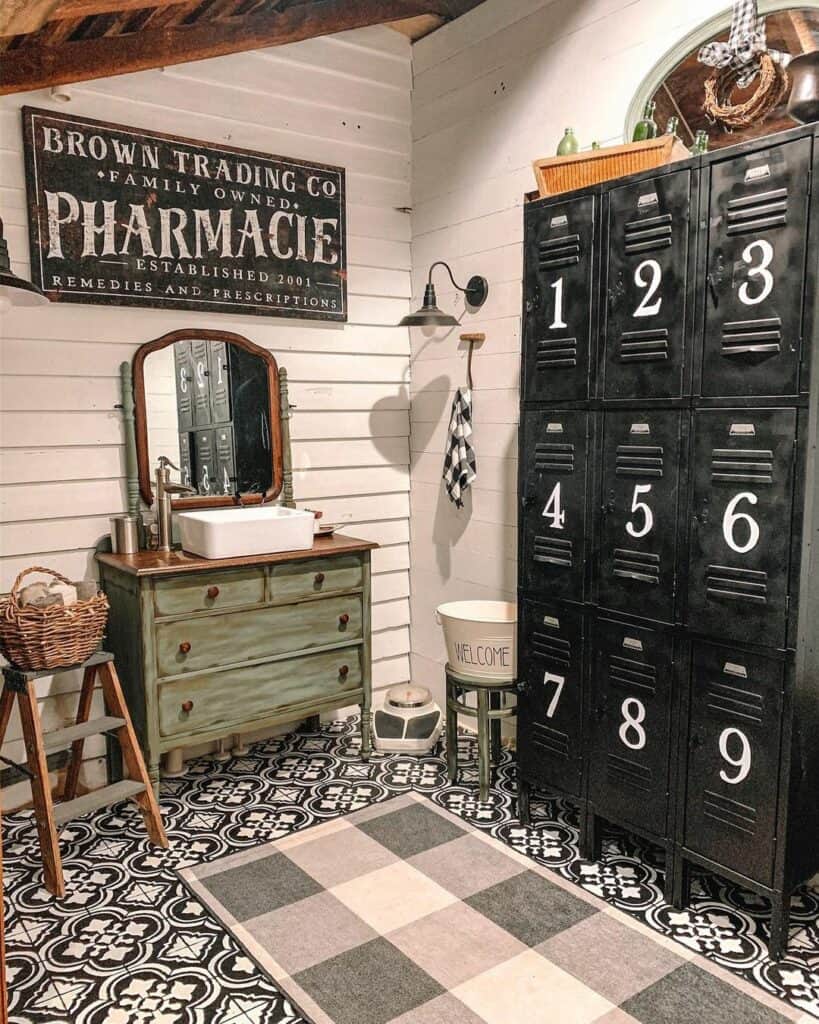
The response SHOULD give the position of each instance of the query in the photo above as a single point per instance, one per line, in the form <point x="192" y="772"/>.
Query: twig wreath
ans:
<point x="769" y="93"/>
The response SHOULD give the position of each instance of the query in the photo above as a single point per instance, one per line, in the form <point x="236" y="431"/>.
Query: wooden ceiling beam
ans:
<point x="38" y="66"/>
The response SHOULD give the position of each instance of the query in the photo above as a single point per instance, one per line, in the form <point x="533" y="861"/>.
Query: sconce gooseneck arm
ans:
<point x="442" y="263"/>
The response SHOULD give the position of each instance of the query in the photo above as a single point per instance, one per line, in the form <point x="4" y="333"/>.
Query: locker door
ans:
<point x="733" y="759"/>
<point x="553" y="517"/>
<point x="740" y="529"/>
<point x="225" y="482"/>
<point x="183" y="363"/>
<point x="550" y="705"/>
<point x="638" y="548"/>
<point x="758" y="218"/>
<point x="631" y="724"/>
<point x="219" y="379"/>
<point x="647" y="287"/>
<point x="201" y="386"/>
<point x="185" y="462"/>
<point x="205" y="462"/>
<point x="558" y="301"/>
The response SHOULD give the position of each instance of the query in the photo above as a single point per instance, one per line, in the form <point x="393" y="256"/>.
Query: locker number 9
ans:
<point x="742" y="763"/>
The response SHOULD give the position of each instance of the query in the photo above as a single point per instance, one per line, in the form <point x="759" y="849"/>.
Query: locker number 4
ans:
<point x="553" y="511"/>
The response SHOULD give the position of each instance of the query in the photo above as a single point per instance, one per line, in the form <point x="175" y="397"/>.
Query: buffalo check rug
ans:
<point x="404" y="913"/>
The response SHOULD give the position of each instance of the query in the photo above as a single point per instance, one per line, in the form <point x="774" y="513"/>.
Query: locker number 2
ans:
<point x="550" y="677"/>
<point x="648" y="275"/>
<point x="730" y="519"/>
<point x="644" y="510"/>
<point x="553" y="511"/>
<point x="760" y="270"/>
<point x="742" y="763"/>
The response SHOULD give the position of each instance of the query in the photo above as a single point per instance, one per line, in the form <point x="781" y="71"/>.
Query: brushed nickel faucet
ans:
<point x="164" y="490"/>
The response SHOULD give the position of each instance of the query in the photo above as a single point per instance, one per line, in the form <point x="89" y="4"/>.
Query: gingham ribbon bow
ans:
<point x="746" y="41"/>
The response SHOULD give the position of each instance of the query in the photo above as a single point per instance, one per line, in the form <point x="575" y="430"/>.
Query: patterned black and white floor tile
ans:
<point x="129" y="944"/>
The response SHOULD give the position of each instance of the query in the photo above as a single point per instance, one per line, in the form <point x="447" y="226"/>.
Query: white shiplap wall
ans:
<point x="492" y="91"/>
<point x="341" y="99"/>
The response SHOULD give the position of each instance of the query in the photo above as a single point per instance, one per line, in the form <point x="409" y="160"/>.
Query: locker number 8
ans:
<point x="730" y="518"/>
<point x="632" y="732"/>
<point x="741" y="763"/>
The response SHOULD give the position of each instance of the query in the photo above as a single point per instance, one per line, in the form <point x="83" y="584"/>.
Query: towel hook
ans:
<point x="472" y="339"/>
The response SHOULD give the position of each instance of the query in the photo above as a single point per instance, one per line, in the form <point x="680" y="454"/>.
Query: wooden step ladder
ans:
<point x="116" y="722"/>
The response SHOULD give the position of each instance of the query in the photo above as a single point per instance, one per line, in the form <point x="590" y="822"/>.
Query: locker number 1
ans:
<point x="558" y="321"/>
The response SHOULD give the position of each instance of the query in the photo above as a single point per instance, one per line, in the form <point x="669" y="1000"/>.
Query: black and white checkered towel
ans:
<point x="459" y="460"/>
<point x="746" y="40"/>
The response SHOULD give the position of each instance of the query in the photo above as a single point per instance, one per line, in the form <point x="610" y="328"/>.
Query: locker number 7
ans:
<point x="550" y="677"/>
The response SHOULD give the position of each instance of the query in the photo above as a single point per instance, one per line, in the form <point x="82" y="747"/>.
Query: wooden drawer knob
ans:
<point x="319" y="579"/>
<point x="344" y="619"/>
<point x="213" y="593"/>
<point x="184" y="647"/>
<point x="344" y="670"/>
<point x="187" y="706"/>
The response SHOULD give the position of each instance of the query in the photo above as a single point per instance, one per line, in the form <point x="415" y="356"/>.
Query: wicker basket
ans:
<point x="564" y="173"/>
<point x="53" y="637"/>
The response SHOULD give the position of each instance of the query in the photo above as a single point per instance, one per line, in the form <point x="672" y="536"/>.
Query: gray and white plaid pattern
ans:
<point x="459" y="460"/>
<point x="746" y="41"/>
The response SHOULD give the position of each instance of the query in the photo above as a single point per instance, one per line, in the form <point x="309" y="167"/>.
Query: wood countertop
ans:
<point x="171" y="563"/>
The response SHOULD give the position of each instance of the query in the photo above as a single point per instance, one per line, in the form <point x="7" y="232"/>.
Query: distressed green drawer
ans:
<point x="205" y="591"/>
<point x="201" y="643"/>
<point x="206" y="702"/>
<point x="294" y="580"/>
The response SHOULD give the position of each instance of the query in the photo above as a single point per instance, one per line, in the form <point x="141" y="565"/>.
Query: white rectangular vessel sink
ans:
<point x="236" y="532"/>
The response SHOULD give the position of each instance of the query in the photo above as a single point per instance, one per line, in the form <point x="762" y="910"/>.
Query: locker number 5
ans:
<point x="640" y="506"/>
<point x="730" y="519"/>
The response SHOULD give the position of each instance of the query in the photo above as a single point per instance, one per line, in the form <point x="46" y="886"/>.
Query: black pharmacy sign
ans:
<point x="122" y="216"/>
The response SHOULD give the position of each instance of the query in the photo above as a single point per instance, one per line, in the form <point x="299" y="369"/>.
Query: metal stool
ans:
<point x="490" y="712"/>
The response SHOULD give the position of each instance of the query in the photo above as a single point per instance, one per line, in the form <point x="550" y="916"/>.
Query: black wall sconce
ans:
<point x="17" y="291"/>
<point x="429" y="315"/>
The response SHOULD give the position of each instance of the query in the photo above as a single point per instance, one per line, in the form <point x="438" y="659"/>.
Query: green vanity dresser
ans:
<point x="207" y="648"/>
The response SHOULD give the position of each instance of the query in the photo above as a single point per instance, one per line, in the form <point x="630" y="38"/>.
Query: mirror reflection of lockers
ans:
<point x="209" y="401"/>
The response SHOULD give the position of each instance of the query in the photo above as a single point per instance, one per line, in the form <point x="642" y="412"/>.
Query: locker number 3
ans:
<point x="632" y="732"/>
<point x="732" y="517"/>
<point x="735" y="740"/>
<point x="758" y="255"/>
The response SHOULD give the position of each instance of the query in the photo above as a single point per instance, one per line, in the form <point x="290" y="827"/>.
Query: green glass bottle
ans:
<point x="673" y="125"/>
<point x="595" y="145"/>
<point x="646" y="127"/>
<point x="700" y="143"/>
<point x="568" y="144"/>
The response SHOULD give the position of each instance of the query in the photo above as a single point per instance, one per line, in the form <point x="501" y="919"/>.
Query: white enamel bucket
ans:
<point x="480" y="638"/>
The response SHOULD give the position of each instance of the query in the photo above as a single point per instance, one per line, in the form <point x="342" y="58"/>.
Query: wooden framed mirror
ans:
<point x="209" y="401"/>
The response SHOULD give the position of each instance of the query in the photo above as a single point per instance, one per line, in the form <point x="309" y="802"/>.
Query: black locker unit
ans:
<point x="669" y="513"/>
<point x="223" y="411"/>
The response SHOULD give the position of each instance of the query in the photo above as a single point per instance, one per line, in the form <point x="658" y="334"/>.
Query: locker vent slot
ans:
<point x="752" y="337"/>
<point x="649" y="233"/>
<point x="747" y="465"/>
<point x="620" y="769"/>
<point x="729" y="812"/>
<point x="551" y="740"/>
<point x="644" y="346"/>
<point x="639" y="460"/>
<point x="552" y="647"/>
<point x="553" y="551"/>
<point x="553" y="352"/>
<point x="636" y="565"/>
<point x="736" y="702"/>
<point x="752" y="213"/>
<point x="723" y="582"/>
<point x="559" y="252"/>
<point x="559" y="457"/>
<point x="633" y="674"/>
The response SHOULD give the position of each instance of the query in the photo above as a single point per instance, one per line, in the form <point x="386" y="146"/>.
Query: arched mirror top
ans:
<point x="209" y="402"/>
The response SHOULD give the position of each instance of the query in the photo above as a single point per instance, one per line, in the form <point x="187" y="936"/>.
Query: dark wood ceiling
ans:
<point x="54" y="42"/>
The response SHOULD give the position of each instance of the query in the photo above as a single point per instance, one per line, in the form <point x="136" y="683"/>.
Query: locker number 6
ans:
<point x="741" y="763"/>
<point x="729" y="521"/>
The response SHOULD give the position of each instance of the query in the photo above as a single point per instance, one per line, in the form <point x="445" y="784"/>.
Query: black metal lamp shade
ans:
<point x="429" y="315"/>
<point x="16" y="290"/>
